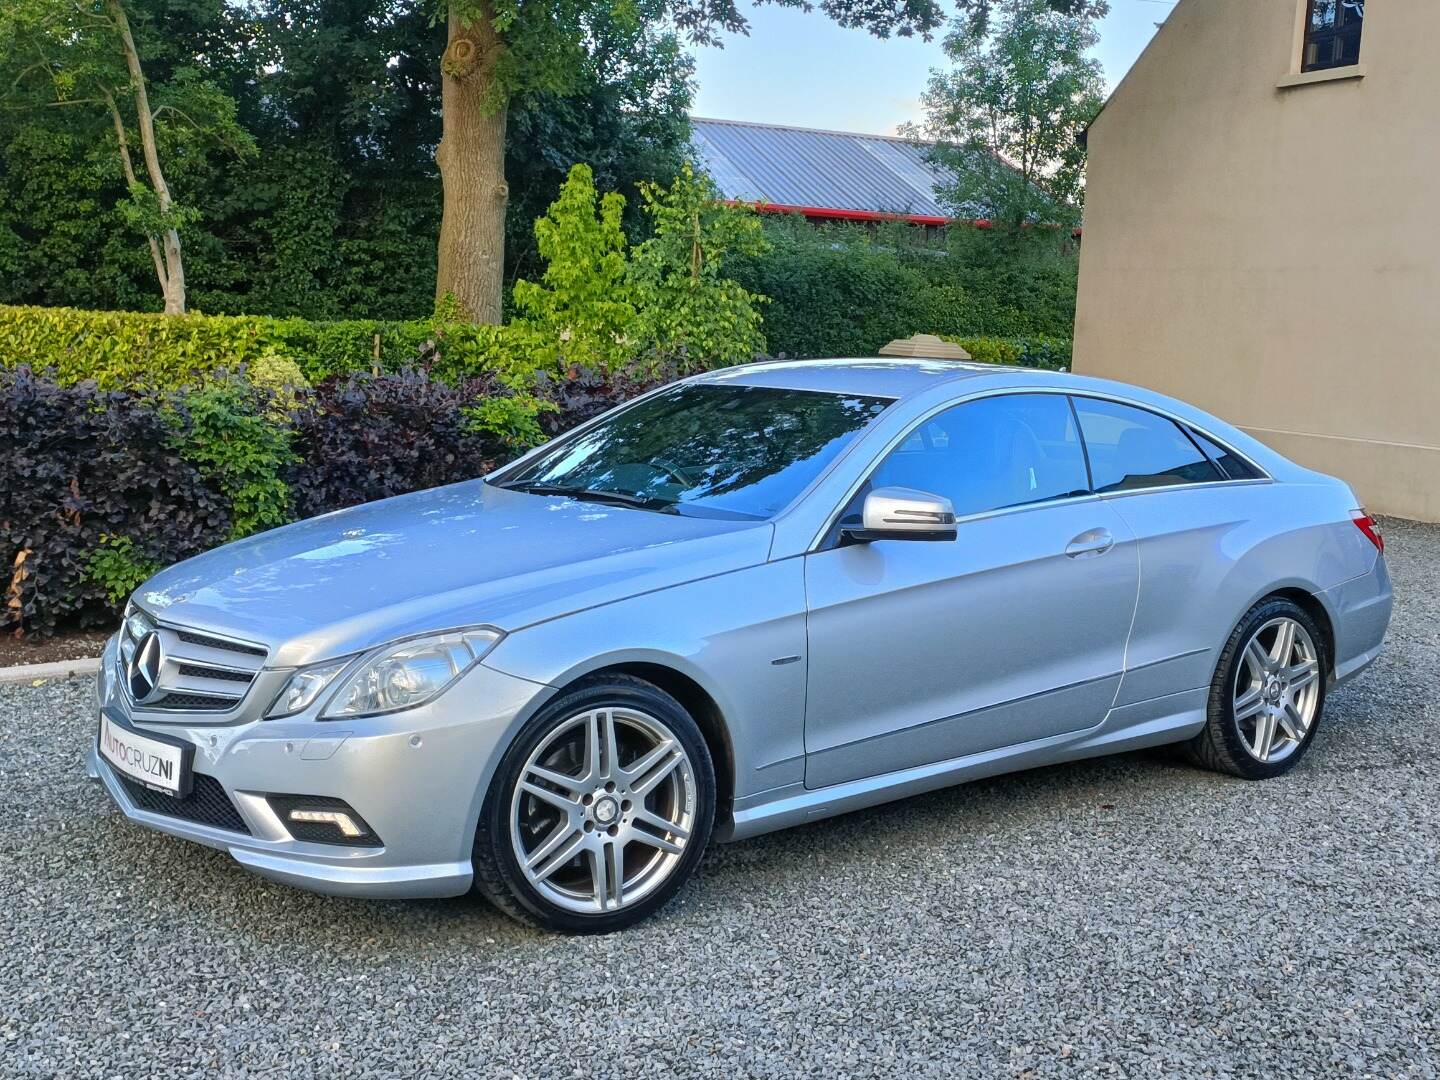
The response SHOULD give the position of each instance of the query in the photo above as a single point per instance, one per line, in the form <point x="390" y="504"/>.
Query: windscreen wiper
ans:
<point x="600" y="495"/>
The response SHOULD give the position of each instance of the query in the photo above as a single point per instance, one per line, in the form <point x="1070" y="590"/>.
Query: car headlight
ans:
<point x="409" y="673"/>
<point x="302" y="688"/>
<point x="135" y="622"/>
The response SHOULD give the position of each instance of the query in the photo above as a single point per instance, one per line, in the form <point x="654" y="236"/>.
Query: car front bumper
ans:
<point x="417" y="778"/>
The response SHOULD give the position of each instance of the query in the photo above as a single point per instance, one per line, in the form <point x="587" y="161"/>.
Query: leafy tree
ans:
<point x="499" y="49"/>
<point x="628" y="119"/>
<point x="975" y="14"/>
<point x="690" y="307"/>
<point x="83" y="54"/>
<point x="339" y="212"/>
<point x="1009" y="112"/>
<point x="352" y="76"/>
<point x="665" y="301"/>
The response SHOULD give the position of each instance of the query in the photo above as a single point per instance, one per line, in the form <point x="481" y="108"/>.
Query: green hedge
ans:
<point x="125" y="350"/>
<point x="833" y="292"/>
<point x="1050" y="353"/>
<point x="845" y="291"/>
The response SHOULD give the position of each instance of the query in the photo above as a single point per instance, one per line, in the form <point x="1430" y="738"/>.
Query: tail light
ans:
<point x="1367" y="525"/>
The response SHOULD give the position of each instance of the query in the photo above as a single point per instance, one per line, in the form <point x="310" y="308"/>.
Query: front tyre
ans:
<point x="1267" y="695"/>
<point x="599" y="811"/>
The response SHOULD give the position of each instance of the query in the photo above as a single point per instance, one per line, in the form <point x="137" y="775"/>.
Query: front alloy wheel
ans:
<point x="603" y="810"/>
<point x="599" y="811"/>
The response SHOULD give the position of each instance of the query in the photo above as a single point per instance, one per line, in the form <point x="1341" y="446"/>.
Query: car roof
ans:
<point x="899" y="378"/>
<point x="878" y="377"/>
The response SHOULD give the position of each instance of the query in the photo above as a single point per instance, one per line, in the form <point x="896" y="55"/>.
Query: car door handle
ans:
<point x="1090" y="543"/>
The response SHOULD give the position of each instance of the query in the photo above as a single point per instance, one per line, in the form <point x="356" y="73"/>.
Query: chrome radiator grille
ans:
<point x="176" y="669"/>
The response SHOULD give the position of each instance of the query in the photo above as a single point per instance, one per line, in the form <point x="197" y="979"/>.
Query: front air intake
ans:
<point x="207" y="803"/>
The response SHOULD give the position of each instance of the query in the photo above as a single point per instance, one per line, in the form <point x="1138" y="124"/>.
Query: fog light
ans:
<point x="323" y="819"/>
<point x="342" y="821"/>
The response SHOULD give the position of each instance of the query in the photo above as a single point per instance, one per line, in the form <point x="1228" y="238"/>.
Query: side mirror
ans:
<point x="897" y="513"/>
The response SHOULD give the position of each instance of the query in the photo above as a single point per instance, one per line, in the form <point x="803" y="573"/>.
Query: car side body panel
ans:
<point x="1360" y="614"/>
<point x="740" y="636"/>
<point x="924" y="651"/>
<point x="1209" y="552"/>
<point x="1157" y="722"/>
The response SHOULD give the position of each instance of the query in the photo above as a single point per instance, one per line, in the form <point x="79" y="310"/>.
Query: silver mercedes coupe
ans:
<point x="754" y="598"/>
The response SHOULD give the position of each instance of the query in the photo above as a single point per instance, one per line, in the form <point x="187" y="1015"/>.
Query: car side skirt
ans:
<point x="1156" y="722"/>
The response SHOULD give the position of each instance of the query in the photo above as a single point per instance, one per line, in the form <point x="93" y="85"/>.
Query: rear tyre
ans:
<point x="1267" y="695"/>
<point x="599" y="811"/>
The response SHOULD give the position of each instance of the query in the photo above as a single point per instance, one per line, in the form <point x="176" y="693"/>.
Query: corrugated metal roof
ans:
<point x="827" y="170"/>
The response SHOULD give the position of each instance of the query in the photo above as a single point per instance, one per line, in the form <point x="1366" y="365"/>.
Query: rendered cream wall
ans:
<point x="1273" y="255"/>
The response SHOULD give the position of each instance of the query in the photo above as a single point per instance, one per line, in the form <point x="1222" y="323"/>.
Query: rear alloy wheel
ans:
<point x="1276" y="696"/>
<point x="1268" y="693"/>
<point x="600" y="810"/>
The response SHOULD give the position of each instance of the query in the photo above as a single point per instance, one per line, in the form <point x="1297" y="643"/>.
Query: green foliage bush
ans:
<point x="667" y="300"/>
<point x="223" y="429"/>
<point x="452" y="350"/>
<point x="1051" y="353"/>
<point x="691" y="311"/>
<point x="118" y="567"/>
<point x="513" y="420"/>
<point x="991" y="350"/>
<point x="580" y="312"/>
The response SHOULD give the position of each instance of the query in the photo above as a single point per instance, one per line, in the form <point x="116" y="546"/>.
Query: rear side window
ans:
<point x="1131" y="449"/>
<point x="992" y="453"/>
<point x="1232" y="464"/>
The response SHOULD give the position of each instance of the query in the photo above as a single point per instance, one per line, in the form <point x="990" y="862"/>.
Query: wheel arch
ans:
<point x="1312" y="605"/>
<point x="698" y="702"/>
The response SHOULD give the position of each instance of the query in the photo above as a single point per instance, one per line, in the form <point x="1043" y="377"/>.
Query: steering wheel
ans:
<point x="676" y="472"/>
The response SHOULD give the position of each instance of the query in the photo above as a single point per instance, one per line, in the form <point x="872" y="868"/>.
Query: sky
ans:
<point x="801" y="69"/>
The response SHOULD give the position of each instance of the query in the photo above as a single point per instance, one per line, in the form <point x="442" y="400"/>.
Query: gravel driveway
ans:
<point x="1125" y="917"/>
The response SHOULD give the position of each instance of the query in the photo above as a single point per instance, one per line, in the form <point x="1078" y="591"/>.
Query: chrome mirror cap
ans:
<point x="898" y="513"/>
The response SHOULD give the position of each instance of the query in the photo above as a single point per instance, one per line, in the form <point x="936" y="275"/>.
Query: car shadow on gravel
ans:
<point x="1093" y="808"/>
<point x="821" y="855"/>
<point x="205" y="886"/>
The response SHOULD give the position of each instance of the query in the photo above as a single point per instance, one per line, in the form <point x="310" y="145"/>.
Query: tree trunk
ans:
<point x="471" y="157"/>
<point x="172" y="272"/>
<point x="122" y="141"/>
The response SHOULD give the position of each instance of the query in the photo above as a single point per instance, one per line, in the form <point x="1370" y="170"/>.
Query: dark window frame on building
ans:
<point x="1332" y="34"/>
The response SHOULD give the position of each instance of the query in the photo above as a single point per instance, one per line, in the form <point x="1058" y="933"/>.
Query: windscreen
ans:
<point x="705" y="449"/>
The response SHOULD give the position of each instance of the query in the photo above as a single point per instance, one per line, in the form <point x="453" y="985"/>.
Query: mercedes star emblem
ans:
<point x="144" y="672"/>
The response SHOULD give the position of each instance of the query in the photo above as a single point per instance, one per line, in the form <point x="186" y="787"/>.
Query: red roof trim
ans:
<point x="843" y="215"/>
<point x="831" y="213"/>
